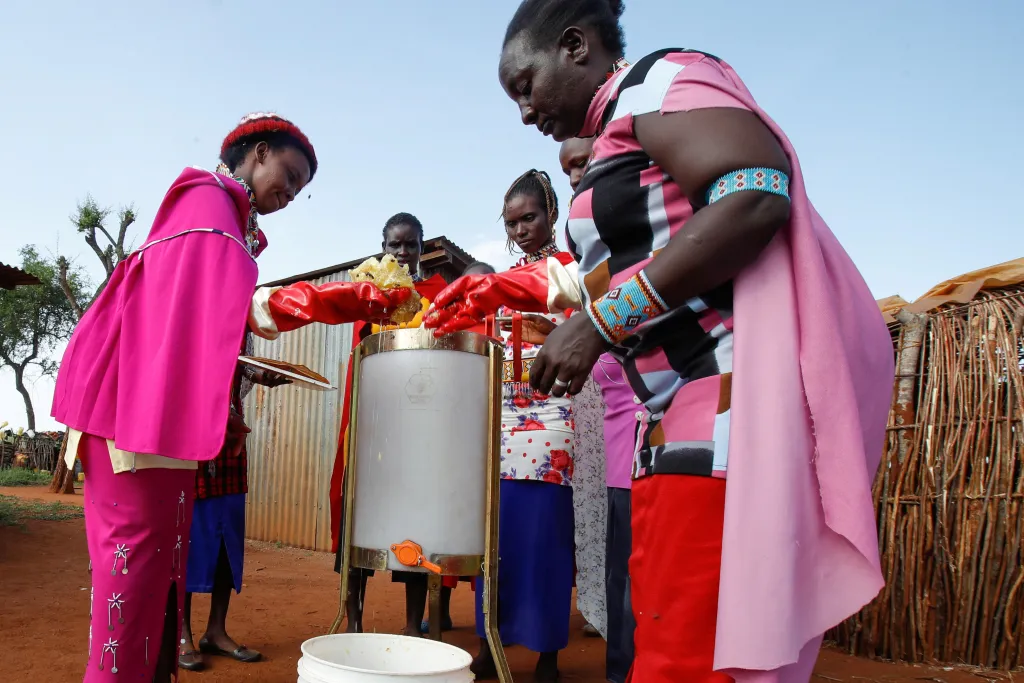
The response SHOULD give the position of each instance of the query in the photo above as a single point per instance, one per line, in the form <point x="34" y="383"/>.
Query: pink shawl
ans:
<point x="812" y="384"/>
<point x="151" y="363"/>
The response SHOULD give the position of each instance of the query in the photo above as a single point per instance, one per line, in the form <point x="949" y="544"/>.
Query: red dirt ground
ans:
<point x="288" y="596"/>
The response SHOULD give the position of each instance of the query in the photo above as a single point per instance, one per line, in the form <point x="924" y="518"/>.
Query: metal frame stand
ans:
<point x="490" y="561"/>
<point x="434" y="598"/>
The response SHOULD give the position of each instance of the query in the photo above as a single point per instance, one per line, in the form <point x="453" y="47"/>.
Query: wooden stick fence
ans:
<point x="950" y="494"/>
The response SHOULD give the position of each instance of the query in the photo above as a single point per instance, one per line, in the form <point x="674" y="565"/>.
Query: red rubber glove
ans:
<point x="470" y="299"/>
<point x="334" y="303"/>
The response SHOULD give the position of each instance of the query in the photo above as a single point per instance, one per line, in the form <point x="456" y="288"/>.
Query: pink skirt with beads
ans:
<point x="137" y="525"/>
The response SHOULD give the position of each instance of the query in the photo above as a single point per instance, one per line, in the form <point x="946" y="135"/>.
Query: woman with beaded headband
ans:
<point x="535" y="573"/>
<point x="144" y="386"/>
<point x="740" y="323"/>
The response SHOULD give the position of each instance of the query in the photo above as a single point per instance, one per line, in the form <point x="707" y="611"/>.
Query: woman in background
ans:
<point x="588" y="485"/>
<point x="535" y="570"/>
<point x="623" y="414"/>
<point x="217" y="537"/>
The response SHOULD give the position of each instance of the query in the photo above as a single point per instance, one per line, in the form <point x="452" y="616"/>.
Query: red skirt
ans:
<point x="674" y="573"/>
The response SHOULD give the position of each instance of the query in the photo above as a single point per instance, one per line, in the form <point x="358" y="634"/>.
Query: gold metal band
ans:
<point x="423" y="339"/>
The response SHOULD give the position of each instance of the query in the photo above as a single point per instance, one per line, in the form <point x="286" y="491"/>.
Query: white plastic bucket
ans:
<point x="379" y="657"/>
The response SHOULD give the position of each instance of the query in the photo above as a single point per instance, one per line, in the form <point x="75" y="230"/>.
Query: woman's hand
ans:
<point x="269" y="378"/>
<point x="470" y="299"/>
<point x="333" y="303"/>
<point x="454" y="309"/>
<point x="567" y="357"/>
<point x="236" y="426"/>
<point x="536" y="328"/>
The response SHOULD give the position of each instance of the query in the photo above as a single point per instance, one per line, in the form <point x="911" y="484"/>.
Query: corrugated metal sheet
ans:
<point x="11" y="277"/>
<point x="295" y="437"/>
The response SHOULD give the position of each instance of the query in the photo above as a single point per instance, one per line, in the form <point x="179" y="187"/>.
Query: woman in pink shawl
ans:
<point x="144" y="386"/>
<point x="741" y="324"/>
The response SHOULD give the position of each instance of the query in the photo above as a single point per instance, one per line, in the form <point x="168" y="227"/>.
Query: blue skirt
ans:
<point x="535" y="569"/>
<point x="216" y="523"/>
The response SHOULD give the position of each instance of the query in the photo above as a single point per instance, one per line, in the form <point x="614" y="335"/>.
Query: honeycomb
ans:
<point x="388" y="273"/>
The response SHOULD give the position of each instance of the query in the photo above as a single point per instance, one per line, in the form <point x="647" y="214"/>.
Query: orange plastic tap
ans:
<point x="410" y="554"/>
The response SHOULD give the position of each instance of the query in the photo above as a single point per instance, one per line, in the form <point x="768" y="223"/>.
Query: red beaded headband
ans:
<point x="268" y="122"/>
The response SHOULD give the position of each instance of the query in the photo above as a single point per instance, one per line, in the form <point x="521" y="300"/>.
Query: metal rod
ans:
<point x="490" y="597"/>
<point x="348" y="494"/>
<point x="434" y="591"/>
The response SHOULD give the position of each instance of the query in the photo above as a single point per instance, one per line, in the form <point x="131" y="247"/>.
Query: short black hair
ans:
<point x="403" y="218"/>
<point x="544" y="21"/>
<point x="234" y="155"/>
<point x="479" y="265"/>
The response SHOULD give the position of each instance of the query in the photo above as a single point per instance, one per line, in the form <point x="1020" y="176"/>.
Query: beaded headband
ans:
<point x="261" y="123"/>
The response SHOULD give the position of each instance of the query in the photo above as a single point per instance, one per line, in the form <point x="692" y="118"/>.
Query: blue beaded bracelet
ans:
<point x="623" y="309"/>
<point x="761" y="179"/>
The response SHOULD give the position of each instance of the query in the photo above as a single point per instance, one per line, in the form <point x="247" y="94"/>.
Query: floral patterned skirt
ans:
<point x="536" y="436"/>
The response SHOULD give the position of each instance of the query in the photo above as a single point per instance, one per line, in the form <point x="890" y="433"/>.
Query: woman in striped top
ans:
<point x="698" y="252"/>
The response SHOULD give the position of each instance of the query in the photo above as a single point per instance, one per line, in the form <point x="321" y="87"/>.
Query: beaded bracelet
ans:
<point x="762" y="179"/>
<point x="623" y="309"/>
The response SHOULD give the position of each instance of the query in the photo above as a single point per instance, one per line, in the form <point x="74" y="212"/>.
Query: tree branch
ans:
<point x="107" y="234"/>
<point x="127" y="216"/>
<point x="90" y="239"/>
<point x="62" y="280"/>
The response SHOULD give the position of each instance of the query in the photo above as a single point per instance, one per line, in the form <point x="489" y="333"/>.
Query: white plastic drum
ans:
<point x="421" y="443"/>
<point x="379" y="658"/>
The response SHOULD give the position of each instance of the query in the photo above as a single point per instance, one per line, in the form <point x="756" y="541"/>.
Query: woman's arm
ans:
<point x="545" y="286"/>
<point x="281" y="309"/>
<point x="696" y="148"/>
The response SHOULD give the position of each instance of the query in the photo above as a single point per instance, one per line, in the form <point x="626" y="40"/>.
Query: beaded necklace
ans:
<point x="618" y="66"/>
<point x="544" y="252"/>
<point x="252" y="228"/>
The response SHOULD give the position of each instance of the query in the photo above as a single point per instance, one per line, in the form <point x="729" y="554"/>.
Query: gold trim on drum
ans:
<point x="459" y="565"/>
<point x="422" y="339"/>
<point x="369" y="558"/>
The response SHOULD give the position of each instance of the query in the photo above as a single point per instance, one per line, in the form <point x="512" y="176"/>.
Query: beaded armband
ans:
<point x="761" y="179"/>
<point x="623" y="309"/>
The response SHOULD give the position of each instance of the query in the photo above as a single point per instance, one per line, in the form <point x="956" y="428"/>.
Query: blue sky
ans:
<point x="906" y="116"/>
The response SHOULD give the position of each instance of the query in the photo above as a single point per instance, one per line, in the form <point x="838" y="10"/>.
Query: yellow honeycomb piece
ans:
<point x="388" y="273"/>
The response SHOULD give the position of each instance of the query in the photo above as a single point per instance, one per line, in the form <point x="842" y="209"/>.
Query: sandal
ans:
<point x="190" y="660"/>
<point x="239" y="654"/>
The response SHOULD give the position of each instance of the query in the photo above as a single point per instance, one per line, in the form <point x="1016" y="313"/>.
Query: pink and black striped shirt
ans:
<point x="624" y="212"/>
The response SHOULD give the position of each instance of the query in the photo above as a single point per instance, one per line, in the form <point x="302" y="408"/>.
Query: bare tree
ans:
<point x="90" y="221"/>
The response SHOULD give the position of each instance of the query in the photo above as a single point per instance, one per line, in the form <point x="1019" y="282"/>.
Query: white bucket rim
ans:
<point x="389" y="636"/>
